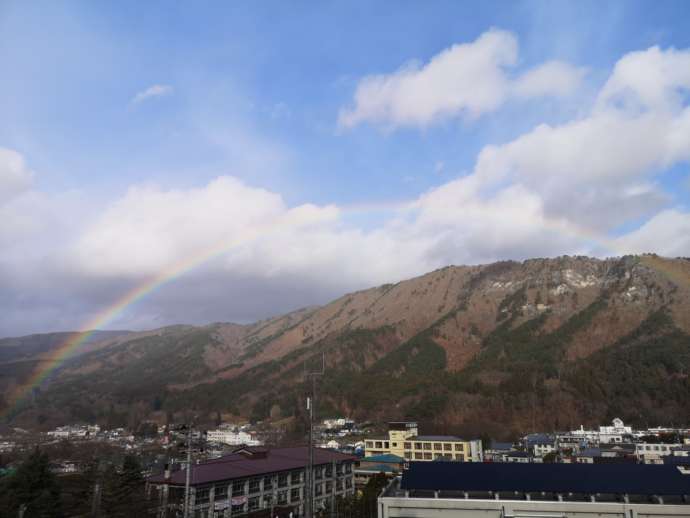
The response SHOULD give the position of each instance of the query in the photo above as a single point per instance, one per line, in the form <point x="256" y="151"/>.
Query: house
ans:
<point x="502" y="490"/>
<point x="254" y="478"/>
<point x="404" y="441"/>
<point x="388" y="464"/>
<point x="521" y="457"/>
<point x="653" y="453"/>
<point x="497" y="450"/>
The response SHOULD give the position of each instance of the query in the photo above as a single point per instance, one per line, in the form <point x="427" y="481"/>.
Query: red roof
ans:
<point x="238" y="465"/>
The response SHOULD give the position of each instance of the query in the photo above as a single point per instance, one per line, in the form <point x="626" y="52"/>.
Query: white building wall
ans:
<point x="392" y="507"/>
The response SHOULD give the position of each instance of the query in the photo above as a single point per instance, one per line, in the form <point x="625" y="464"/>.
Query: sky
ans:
<point x="245" y="159"/>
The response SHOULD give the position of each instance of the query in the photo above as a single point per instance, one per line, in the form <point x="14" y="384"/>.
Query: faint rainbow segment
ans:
<point x="60" y="354"/>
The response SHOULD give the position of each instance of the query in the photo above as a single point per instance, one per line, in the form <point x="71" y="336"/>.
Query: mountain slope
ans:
<point x="502" y="347"/>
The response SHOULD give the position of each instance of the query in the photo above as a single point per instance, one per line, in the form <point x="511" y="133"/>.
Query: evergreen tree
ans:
<point x="33" y="488"/>
<point x="123" y="494"/>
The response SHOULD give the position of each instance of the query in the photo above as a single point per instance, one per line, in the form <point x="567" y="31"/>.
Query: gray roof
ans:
<point x="439" y="438"/>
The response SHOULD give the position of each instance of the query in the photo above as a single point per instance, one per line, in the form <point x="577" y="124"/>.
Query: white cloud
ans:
<point x="648" y="79"/>
<point x="151" y="229"/>
<point x="599" y="169"/>
<point x="551" y="78"/>
<point x="15" y="176"/>
<point x="152" y="92"/>
<point x="667" y="233"/>
<point x="465" y="80"/>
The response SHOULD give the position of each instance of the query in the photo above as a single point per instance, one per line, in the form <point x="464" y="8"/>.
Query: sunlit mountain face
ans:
<point x="500" y="348"/>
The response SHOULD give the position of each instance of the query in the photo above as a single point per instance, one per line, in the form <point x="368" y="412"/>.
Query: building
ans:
<point x="540" y="444"/>
<point x="388" y="464"/>
<point x="403" y="440"/>
<point x="615" y="433"/>
<point x="497" y="490"/>
<point x="520" y="457"/>
<point x="497" y="450"/>
<point x="653" y="453"/>
<point x="255" y="478"/>
<point x="231" y="437"/>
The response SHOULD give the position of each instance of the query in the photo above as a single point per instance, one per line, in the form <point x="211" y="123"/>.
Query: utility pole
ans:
<point x="309" y="510"/>
<point x="189" y="471"/>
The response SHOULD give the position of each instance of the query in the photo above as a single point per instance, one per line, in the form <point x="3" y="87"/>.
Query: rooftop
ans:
<point x="439" y="438"/>
<point x="239" y="465"/>
<point x="386" y="457"/>
<point x="632" y="479"/>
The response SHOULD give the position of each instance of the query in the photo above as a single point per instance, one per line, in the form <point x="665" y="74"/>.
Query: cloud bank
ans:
<point x="556" y="189"/>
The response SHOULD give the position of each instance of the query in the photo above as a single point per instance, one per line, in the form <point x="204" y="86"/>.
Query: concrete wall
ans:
<point x="394" y="507"/>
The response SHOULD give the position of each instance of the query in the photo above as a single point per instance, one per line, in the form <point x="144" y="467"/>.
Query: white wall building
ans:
<point x="231" y="437"/>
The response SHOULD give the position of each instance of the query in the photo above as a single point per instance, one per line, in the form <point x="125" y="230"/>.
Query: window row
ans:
<point x="431" y="456"/>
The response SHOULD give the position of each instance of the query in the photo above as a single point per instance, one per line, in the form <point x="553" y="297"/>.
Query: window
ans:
<point x="378" y="444"/>
<point x="459" y="446"/>
<point x="318" y="489"/>
<point x="447" y="446"/>
<point x="296" y="477"/>
<point x="282" y="480"/>
<point x="282" y="497"/>
<point x="268" y="483"/>
<point x="408" y="455"/>
<point x="329" y="471"/>
<point x="418" y="456"/>
<point x="238" y="487"/>
<point x="267" y="500"/>
<point x="202" y="496"/>
<point x="427" y="445"/>
<point x="459" y="456"/>
<point x="407" y="445"/>
<point x="348" y="483"/>
<point x="418" y="446"/>
<point x="255" y="485"/>
<point x="385" y="444"/>
<point x="295" y="494"/>
<point x="238" y="509"/>
<point x="318" y="473"/>
<point x="394" y="444"/>
<point x="427" y="455"/>
<point x="438" y="446"/>
<point x="348" y="467"/>
<point x="438" y="455"/>
<point x="221" y="491"/>
<point x="370" y="444"/>
<point x="254" y="503"/>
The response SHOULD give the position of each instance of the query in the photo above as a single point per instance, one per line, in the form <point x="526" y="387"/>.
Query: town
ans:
<point x="368" y="468"/>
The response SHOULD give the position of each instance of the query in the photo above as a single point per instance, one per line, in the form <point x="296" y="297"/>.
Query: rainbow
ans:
<point x="60" y="354"/>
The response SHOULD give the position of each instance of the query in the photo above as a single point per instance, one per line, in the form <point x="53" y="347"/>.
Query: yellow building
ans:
<point x="404" y="441"/>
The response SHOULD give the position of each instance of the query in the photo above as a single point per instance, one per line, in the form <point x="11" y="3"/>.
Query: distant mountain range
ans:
<point x="501" y="348"/>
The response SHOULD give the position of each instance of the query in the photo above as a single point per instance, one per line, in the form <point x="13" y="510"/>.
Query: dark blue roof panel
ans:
<point x="634" y="479"/>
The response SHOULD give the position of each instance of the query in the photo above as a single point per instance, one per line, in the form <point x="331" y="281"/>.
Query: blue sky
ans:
<point x="258" y="92"/>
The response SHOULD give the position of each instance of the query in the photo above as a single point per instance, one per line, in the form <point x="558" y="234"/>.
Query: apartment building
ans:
<point x="255" y="478"/>
<point x="404" y="441"/>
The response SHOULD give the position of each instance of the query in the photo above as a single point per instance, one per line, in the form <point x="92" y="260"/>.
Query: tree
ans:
<point x="33" y="487"/>
<point x="123" y="494"/>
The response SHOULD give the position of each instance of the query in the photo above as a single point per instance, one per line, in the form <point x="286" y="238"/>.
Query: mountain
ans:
<point x="501" y="348"/>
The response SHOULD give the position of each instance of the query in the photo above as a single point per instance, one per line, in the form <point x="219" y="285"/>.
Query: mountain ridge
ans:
<point x="484" y="346"/>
